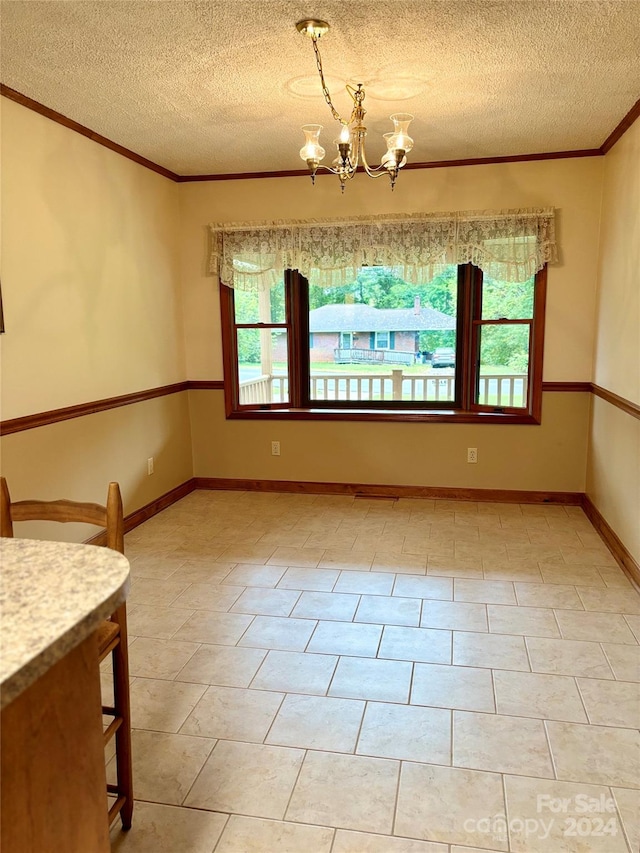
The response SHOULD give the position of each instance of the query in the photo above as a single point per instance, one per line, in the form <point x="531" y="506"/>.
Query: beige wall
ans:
<point x="613" y="477"/>
<point x="90" y="279"/>
<point x="552" y="456"/>
<point x="78" y="458"/>
<point x="548" y="458"/>
<point x="90" y="271"/>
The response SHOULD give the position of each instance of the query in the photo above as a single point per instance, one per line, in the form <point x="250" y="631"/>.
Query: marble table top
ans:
<point x="52" y="596"/>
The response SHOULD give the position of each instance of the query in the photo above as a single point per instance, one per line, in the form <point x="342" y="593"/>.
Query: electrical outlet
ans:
<point x="472" y="454"/>
<point x="150" y="465"/>
<point x="275" y="448"/>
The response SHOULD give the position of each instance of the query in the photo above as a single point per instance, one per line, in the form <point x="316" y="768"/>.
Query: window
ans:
<point x="462" y="347"/>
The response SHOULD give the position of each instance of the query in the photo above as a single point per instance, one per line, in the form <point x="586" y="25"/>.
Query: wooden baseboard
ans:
<point x="622" y="555"/>
<point x="625" y="559"/>
<point x="371" y="490"/>
<point x="149" y="510"/>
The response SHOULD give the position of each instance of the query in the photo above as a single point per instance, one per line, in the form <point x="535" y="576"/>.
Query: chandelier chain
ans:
<point x="325" y="90"/>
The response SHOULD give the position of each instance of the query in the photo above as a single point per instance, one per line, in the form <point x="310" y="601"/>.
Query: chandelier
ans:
<point x="351" y="142"/>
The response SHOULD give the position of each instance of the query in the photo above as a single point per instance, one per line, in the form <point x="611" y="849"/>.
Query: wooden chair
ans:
<point x="111" y="635"/>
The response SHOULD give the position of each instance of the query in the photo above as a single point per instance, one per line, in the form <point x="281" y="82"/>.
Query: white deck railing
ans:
<point x="501" y="391"/>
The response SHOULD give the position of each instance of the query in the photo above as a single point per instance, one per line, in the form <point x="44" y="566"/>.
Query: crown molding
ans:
<point x="69" y="123"/>
<point x="29" y="103"/>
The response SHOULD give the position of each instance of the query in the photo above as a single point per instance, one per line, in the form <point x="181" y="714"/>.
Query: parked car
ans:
<point x="444" y="357"/>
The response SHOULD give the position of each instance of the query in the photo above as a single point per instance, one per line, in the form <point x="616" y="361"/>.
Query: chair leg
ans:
<point x="123" y="709"/>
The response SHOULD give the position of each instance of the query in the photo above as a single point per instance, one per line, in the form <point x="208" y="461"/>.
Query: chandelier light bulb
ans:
<point x="345" y="133"/>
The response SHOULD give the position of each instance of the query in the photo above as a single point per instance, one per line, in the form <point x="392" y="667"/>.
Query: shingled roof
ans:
<point x="365" y="318"/>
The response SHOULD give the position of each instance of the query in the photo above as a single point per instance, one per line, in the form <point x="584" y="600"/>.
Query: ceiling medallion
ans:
<point x="351" y="142"/>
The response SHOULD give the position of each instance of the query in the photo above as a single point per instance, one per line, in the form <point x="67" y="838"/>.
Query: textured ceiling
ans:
<point x="223" y="87"/>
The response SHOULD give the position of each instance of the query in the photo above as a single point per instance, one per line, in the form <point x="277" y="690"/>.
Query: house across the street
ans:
<point x="359" y="333"/>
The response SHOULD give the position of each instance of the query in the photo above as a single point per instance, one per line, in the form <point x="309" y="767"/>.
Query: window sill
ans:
<point x="448" y="416"/>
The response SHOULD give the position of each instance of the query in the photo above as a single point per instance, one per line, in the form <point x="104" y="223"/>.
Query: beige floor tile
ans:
<point x="266" y="602"/>
<point x="231" y="713"/>
<point x="321" y="580"/>
<point x="634" y="623"/>
<point x="317" y="722"/>
<point x="363" y="678"/>
<point x="501" y="744"/>
<point x="247" y="778"/>
<point x="167" y="829"/>
<point x="389" y="610"/>
<point x="390" y="561"/>
<point x="200" y="549"/>
<point x="494" y="571"/>
<point x="624" y="661"/>
<point x="275" y="632"/>
<point x="456" y="849"/>
<point x="459" y="687"/>
<point x="559" y="596"/>
<point x="611" y="704"/>
<point x="610" y="600"/>
<point x="253" y="554"/>
<point x="567" y="657"/>
<point x="326" y="605"/>
<point x="528" y="621"/>
<point x="628" y="803"/>
<point x="200" y="572"/>
<point x="391" y="542"/>
<point x="303" y="558"/>
<point x="371" y="583"/>
<point x="483" y="592"/>
<point x="406" y="732"/>
<point x="348" y="841"/>
<point x="596" y="627"/>
<point x="574" y="575"/>
<point x="460" y="615"/>
<point x="161" y="623"/>
<point x="346" y="638"/>
<point x="150" y="658"/>
<point x="606" y="756"/>
<point x="209" y="627"/>
<point x="203" y="596"/>
<point x="256" y="835"/>
<point x="162" y="706"/>
<point x="341" y="539"/>
<point x="453" y="568"/>
<point x="155" y="592"/>
<point x="614" y="577"/>
<point x="543" y="817"/>
<point x="295" y="672"/>
<point x="284" y="538"/>
<point x="225" y="666"/>
<point x="157" y="565"/>
<point x="496" y="651"/>
<point x="165" y="765"/>
<point x="248" y="575"/>
<point x="416" y="586"/>
<point x="532" y="694"/>
<point x="347" y="791"/>
<point x="447" y="804"/>
<point x="588" y="556"/>
<point x="415" y="644"/>
<point x="359" y="561"/>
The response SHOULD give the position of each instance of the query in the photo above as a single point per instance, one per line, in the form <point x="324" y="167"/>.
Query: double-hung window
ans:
<point x="428" y="341"/>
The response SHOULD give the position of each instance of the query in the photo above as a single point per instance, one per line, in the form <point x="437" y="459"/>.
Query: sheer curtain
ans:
<point x="509" y="245"/>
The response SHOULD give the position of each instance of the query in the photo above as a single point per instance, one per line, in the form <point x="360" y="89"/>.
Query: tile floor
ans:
<point x="321" y="674"/>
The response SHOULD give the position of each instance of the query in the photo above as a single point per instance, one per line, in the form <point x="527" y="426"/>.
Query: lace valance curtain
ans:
<point x="509" y="245"/>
